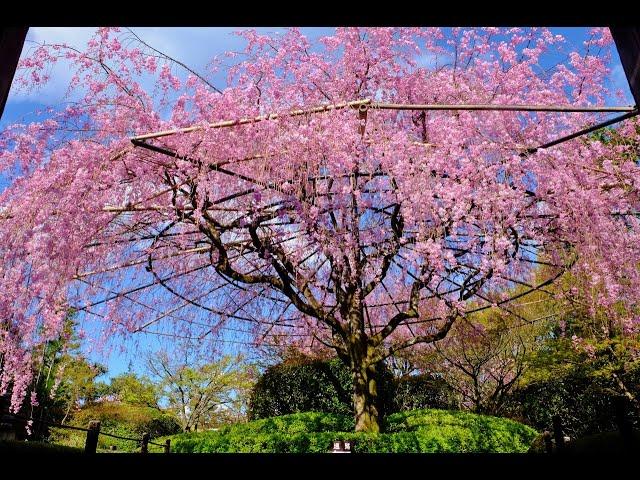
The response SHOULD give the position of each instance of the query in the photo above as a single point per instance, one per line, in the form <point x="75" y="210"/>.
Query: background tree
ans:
<point x="307" y="200"/>
<point x="200" y="394"/>
<point x="481" y="363"/>
<point x="78" y="385"/>
<point x="486" y="356"/>
<point x="134" y="389"/>
<point x="48" y="361"/>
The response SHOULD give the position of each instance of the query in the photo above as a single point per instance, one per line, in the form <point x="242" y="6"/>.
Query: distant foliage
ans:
<point x="420" y="431"/>
<point x="326" y="385"/>
<point x="134" y="390"/>
<point x="422" y="391"/>
<point x="301" y="387"/>
<point x="584" y="404"/>
<point x="197" y="392"/>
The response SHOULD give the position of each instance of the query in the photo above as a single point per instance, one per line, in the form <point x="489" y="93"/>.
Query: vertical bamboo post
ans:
<point x="167" y="446"/>
<point x="145" y="443"/>
<point x="91" y="443"/>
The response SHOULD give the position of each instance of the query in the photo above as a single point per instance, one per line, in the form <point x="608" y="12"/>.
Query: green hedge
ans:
<point x="419" y="431"/>
<point x="456" y="431"/>
<point x="326" y="386"/>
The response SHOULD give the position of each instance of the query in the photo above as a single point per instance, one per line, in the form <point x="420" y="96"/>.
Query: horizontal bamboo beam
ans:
<point x="495" y="107"/>
<point x="149" y="208"/>
<point x="366" y="104"/>
<point x="244" y="121"/>
<point x="140" y="262"/>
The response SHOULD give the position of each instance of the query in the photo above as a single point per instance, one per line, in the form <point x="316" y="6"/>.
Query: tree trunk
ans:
<point x="365" y="398"/>
<point x="64" y="419"/>
<point x="364" y="371"/>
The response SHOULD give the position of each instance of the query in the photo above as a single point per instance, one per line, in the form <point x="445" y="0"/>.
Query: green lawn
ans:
<point x="14" y="446"/>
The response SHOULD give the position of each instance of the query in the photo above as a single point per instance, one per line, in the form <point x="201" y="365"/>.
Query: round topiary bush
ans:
<point x="302" y="386"/>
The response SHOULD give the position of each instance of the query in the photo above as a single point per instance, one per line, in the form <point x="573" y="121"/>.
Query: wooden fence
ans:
<point x="93" y="432"/>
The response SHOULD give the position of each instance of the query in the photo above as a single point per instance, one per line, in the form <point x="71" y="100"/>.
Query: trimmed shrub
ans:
<point x="420" y="431"/>
<point x="327" y="386"/>
<point x="310" y="386"/>
<point x="456" y="431"/>
<point x="313" y="385"/>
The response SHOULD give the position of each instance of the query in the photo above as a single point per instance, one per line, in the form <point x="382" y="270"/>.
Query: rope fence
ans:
<point x="93" y="432"/>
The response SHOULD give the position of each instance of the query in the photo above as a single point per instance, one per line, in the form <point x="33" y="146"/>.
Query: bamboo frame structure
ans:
<point x="362" y="107"/>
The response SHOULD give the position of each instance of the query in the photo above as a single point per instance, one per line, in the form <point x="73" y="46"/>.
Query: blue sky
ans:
<point x="195" y="47"/>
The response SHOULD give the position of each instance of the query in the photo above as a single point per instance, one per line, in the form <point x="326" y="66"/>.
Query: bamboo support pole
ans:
<point x="260" y="118"/>
<point x="366" y="104"/>
<point x="501" y="108"/>
<point x="140" y="262"/>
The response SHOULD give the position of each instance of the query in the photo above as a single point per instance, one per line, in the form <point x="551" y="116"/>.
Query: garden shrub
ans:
<point x="311" y="385"/>
<point x="456" y="431"/>
<point x="419" y="431"/>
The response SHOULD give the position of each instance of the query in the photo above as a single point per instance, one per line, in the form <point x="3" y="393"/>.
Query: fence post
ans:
<point x="167" y="446"/>
<point x="145" y="443"/>
<point x="548" y="446"/>
<point x="558" y="433"/>
<point x="91" y="443"/>
<point x="624" y="425"/>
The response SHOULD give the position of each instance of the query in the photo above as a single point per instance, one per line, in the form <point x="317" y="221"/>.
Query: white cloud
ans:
<point x="54" y="90"/>
<point x="194" y="46"/>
